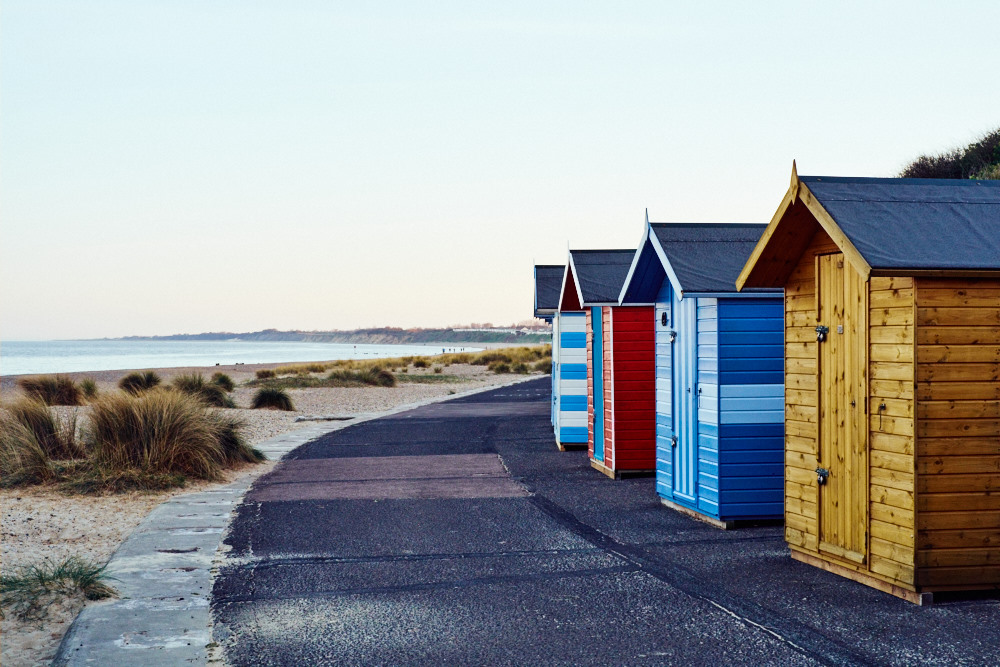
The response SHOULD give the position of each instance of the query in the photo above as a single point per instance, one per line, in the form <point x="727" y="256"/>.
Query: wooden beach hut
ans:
<point x="569" y="367"/>
<point x="548" y="283"/>
<point x="718" y="365"/>
<point x="892" y="362"/>
<point x="621" y="422"/>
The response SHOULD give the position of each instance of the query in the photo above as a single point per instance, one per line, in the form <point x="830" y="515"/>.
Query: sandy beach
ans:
<point x="41" y="524"/>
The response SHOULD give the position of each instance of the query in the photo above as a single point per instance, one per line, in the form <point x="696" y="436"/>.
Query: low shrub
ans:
<point x="58" y="440"/>
<point x="520" y="368"/>
<point x="22" y="459"/>
<point x="265" y="373"/>
<point x="499" y="367"/>
<point x="489" y="358"/>
<point x="272" y="398"/>
<point x="51" y="389"/>
<point x="544" y="366"/>
<point x="223" y="381"/>
<point x="375" y="376"/>
<point x="29" y="589"/>
<point x="88" y="388"/>
<point x="420" y="363"/>
<point x="438" y="370"/>
<point x="208" y="392"/>
<point x="160" y="432"/>
<point x="138" y="382"/>
<point x="235" y="449"/>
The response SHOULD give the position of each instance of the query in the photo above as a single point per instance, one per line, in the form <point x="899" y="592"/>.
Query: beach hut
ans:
<point x="621" y="425"/>
<point x="718" y="365"/>
<point x="569" y="367"/>
<point x="548" y="284"/>
<point x="892" y="362"/>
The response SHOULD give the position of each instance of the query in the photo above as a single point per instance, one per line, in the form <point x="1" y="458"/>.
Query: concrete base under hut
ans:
<point x="863" y="578"/>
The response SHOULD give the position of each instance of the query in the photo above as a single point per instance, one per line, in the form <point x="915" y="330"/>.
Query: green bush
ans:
<point x="272" y="398"/>
<point x="138" y="382"/>
<point x="29" y="588"/>
<point x="372" y="375"/>
<point x="209" y="393"/>
<point x="520" y="368"/>
<point x="544" y="366"/>
<point x="499" y="367"/>
<point x="51" y="390"/>
<point x="420" y="363"/>
<point x="89" y="388"/>
<point x="223" y="381"/>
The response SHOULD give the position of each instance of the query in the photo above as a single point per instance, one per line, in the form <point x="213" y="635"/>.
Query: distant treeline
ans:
<point x="382" y="336"/>
<point x="979" y="160"/>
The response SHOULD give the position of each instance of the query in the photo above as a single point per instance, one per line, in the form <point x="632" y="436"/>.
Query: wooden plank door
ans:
<point x="598" y="352"/>
<point x="843" y="443"/>
<point x="685" y="414"/>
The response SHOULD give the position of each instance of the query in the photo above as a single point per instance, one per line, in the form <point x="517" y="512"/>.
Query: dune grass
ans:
<point x="210" y="393"/>
<point x="273" y="398"/>
<point x="88" y="388"/>
<point x="223" y="380"/>
<point x="27" y="590"/>
<point x="23" y="460"/>
<point x="56" y="438"/>
<point x="138" y="382"/>
<point x="52" y="389"/>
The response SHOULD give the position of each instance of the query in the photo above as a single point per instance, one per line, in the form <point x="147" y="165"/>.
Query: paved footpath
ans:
<point x="457" y="534"/>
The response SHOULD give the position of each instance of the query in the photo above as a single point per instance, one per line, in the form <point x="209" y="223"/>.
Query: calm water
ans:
<point x="57" y="356"/>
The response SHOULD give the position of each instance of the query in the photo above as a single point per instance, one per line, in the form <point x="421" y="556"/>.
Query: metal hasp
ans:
<point x="821" y="475"/>
<point x="663" y="318"/>
<point x="673" y="336"/>
<point x="673" y="441"/>
<point x="821" y="333"/>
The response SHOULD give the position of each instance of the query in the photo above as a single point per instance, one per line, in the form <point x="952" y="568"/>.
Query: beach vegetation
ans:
<point x="273" y="398"/>
<point x="499" y="367"/>
<point x="438" y="370"/>
<point x="543" y="366"/>
<point x="223" y="381"/>
<point x="27" y="591"/>
<point x="265" y="373"/>
<point x="88" y="388"/>
<point x="138" y="382"/>
<point x="209" y="393"/>
<point x="421" y="378"/>
<point x="56" y="437"/>
<point x="23" y="460"/>
<point x="979" y="160"/>
<point x="374" y="376"/>
<point x="520" y="368"/>
<point x="420" y="363"/>
<point x="51" y="389"/>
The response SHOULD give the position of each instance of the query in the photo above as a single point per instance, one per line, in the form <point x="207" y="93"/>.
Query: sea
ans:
<point x="69" y="356"/>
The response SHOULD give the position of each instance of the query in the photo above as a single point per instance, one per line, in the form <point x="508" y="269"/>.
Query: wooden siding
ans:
<point x="634" y="387"/>
<point x="664" y="392"/>
<point x="958" y="432"/>
<point x="571" y="418"/>
<point x="750" y="404"/>
<point x="590" y="382"/>
<point x="607" y="350"/>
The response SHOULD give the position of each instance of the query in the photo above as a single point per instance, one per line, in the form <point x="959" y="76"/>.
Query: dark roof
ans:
<point x="707" y="257"/>
<point x="915" y="223"/>
<point x="548" y="285"/>
<point x="601" y="273"/>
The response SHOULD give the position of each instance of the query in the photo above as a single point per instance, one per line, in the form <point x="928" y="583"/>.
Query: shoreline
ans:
<point x="9" y="381"/>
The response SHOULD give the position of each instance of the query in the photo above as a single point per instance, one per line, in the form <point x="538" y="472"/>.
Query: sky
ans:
<point x="188" y="166"/>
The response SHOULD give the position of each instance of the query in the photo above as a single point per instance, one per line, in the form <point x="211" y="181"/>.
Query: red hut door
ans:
<point x="843" y="421"/>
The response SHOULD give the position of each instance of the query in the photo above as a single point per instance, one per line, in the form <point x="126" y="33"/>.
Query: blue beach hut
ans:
<point x="719" y="372"/>
<point x="569" y="367"/>
<point x="548" y="287"/>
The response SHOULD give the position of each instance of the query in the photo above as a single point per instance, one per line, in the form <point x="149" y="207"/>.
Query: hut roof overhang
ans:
<point x="699" y="259"/>
<point x="884" y="226"/>
<point x="548" y="282"/>
<point x="598" y="275"/>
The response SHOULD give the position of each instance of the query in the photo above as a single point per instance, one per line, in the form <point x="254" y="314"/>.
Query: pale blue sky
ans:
<point x="206" y="165"/>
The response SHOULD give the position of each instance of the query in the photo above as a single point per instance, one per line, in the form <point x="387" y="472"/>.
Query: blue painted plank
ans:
<point x="738" y="309"/>
<point x="738" y="403"/>
<point x="574" y="403"/>
<point x="754" y="352"/>
<point x="573" y="371"/>
<point x="752" y="390"/>
<point x="751" y="430"/>
<point x="748" y="324"/>
<point x="751" y="364"/>
<point x="573" y="434"/>
<point x="741" y="338"/>
<point x="754" y="417"/>
<point x="571" y="339"/>
<point x="751" y="377"/>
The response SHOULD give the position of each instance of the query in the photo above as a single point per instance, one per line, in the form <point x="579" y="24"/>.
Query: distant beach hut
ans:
<point x="621" y="426"/>
<point x="548" y="287"/>
<point x="718" y="358"/>
<point x="892" y="362"/>
<point x="569" y="367"/>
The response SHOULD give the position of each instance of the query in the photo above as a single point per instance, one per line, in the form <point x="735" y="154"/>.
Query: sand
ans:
<point x="41" y="524"/>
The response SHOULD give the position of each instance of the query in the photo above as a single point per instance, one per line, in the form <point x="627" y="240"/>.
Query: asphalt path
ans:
<point x="457" y="534"/>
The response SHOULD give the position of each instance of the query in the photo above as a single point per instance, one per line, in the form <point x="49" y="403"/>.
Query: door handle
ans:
<point x="673" y="441"/>
<point x="821" y="333"/>
<point x="821" y="475"/>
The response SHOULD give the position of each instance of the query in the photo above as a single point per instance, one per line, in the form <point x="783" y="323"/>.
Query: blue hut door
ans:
<point x="598" y="351"/>
<point x="685" y="415"/>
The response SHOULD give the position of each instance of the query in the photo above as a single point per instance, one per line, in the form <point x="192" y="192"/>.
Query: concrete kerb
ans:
<point x="164" y="571"/>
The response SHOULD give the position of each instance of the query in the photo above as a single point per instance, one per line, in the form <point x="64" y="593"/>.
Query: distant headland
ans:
<point x="378" y="336"/>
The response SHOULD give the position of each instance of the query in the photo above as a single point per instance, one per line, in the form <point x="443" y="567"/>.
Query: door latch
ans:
<point x="673" y="441"/>
<point x="821" y="475"/>
<point x="821" y="333"/>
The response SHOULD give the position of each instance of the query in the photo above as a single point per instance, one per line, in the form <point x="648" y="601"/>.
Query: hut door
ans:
<point x="685" y="416"/>
<point x="843" y="491"/>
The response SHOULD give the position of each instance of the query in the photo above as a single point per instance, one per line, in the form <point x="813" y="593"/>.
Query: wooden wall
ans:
<point x="590" y="383"/>
<point x="607" y="331"/>
<point x="958" y="432"/>
<point x="634" y="390"/>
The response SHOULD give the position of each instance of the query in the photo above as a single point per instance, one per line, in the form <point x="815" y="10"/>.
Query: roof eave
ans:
<point x="635" y="261"/>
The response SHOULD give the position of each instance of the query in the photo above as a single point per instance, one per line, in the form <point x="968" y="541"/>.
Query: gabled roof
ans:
<point x="698" y="258"/>
<point x="598" y="275"/>
<point x="548" y="283"/>
<point x="885" y="226"/>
